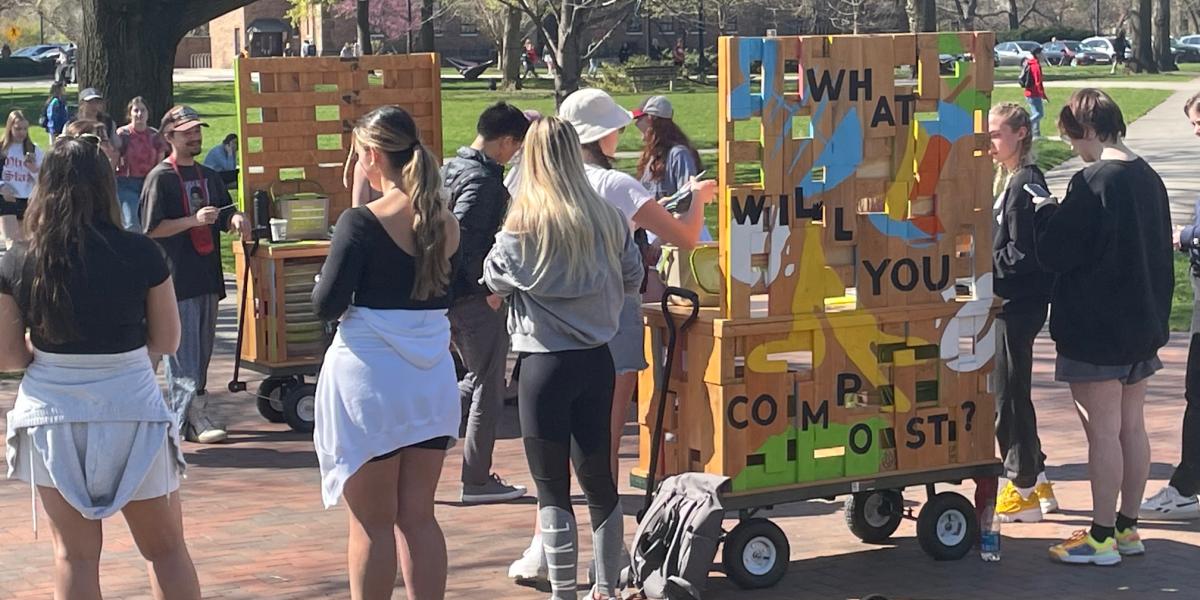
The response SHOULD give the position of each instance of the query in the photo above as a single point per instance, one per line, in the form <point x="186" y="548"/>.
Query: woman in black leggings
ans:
<point x="566" y="259"/>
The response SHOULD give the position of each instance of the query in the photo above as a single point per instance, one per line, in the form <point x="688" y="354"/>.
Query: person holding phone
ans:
<point x="22" y="160"/>
<point x="1024" y="287"/>
<point x="181" y="208"/>
<point x="1109" y="242"/>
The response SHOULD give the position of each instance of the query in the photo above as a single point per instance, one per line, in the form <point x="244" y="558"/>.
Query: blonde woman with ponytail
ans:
<point x="1025" y="288"/>
<point x="566" y="260"/>
<point x="387" y="404"/>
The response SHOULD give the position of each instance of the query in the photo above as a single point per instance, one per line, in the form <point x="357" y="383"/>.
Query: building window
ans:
<point x="666" y="27"/>
<point x="237" y="41"/>
<point x="731" y="24"/>
<point x="469" y="30"/>
<point x="634" y="25"/>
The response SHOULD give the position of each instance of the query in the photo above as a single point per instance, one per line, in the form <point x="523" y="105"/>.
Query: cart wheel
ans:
<point x="270" y="399"/>
<point x="299" y="406"/>
<point x="947" y="526"/>
<point x="756" y="554"/>
<point x="874" y="516"/>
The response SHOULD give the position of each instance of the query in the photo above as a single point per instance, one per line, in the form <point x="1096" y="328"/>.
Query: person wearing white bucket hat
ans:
<point x="598" y="121"/>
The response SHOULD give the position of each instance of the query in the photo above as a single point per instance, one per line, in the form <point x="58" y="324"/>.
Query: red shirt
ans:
<point x="141" y="151"/>
<point x="1039" y="89"/>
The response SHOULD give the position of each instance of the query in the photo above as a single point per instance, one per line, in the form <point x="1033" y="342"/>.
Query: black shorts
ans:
<point x="16" y="207"/>
<point x="444" y="442"/>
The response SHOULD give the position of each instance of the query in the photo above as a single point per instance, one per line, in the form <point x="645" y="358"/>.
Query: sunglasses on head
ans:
<point x="90" y="138"/>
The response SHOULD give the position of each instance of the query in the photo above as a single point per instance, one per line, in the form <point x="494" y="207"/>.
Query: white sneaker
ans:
<point x="1169" y="505"/>
<point x="531" y="568"/>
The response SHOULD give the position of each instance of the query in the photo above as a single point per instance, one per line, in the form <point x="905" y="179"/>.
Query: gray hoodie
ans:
<point x="549" y="312"/>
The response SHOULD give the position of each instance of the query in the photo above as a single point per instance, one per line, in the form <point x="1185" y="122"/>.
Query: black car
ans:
<point x="1071" y="52"/>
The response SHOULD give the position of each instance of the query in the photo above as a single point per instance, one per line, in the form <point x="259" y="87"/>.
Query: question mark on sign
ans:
<point x="969" y="406"/>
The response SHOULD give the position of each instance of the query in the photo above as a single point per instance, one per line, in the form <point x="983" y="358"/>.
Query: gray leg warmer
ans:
<point x="608" y="544"/>
<point x="560" y="541"/>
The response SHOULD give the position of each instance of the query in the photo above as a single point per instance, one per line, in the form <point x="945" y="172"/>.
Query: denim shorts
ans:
<point x="1069" y="370"/>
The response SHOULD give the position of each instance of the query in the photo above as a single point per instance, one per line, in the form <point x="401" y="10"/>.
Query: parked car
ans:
<point x="1184" y="53"/>
<point x="1071" y="52"/>
<point x="40" y="52"/>
<point x="1105" y="46"/>
<point x="1190" y="40"/>
<point x="1012" y="54"/>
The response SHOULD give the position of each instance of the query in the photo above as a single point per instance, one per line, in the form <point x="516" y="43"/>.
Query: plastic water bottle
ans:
<point x="989" y="521"/>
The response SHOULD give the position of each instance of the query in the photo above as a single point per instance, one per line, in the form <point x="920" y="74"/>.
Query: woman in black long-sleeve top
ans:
<point x="1110" y="244"/>
<point x="1025" y="287"/>
<point x="387" y="404"/>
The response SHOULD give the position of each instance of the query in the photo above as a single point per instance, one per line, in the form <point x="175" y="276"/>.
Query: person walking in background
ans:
<point x="530" y="59"/>
<point x="1110" y="245"/>
<point x="566" y="259"/>
<point x="1035" y="90"/>
<point x="474" y="183"/>
<point x="387" y="402"/>
<point x="54" y="112"/>
<point x="1024" y="288"/>
<point x="1178" y="499"/>
<point x="142" y="148"/>
<point x="89" y="427"/>
<point x="1120" y="47"/>
<point x="678" y="54"/>
<point x="22" y="160"/>
<point x="185" y="207"/>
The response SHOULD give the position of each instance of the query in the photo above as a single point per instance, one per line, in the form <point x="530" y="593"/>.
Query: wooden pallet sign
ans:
<point x="295" y="115"/>
<point x="856" y="333"/>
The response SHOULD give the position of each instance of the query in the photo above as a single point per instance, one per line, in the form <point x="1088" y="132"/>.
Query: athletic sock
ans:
<point x="1101" y="533"/>
<point x="1124" y="522"/>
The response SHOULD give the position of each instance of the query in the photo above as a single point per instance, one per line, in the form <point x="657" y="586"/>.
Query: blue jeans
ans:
<point x="129" y="195"/>
<point x="1036" y="113"/>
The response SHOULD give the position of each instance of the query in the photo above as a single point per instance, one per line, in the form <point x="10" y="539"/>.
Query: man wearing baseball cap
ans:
<point x="184" y="207"/>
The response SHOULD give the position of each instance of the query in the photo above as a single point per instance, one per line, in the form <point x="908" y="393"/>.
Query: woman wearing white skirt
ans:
<point x="90" y="429"/>
<point x="387" y="405"/>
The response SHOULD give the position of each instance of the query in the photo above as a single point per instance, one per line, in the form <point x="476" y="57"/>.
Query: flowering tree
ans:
<point x="389" y="17"/>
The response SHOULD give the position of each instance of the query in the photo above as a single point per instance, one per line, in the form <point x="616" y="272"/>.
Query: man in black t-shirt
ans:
<point x="185" y="206"/>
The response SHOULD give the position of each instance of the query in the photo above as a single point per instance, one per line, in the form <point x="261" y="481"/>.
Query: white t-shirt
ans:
<point x="620" y="189"/>
<point x="16" y="174"/>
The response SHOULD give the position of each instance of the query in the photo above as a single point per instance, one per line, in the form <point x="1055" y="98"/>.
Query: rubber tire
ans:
<point x="293" y="395"/>
<point x="859" y="524"/>
<point x="269" y="387"/>
<point x="735" y="544"/>
<point x="927" y="525"/>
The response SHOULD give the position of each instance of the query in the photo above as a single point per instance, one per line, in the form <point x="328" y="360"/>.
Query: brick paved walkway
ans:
<point x="257" y="530"/>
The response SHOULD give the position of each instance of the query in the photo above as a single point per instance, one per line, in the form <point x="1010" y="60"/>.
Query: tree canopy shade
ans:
<point x="127" y="47"/>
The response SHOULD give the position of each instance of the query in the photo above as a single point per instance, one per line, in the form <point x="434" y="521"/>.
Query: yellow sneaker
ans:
<point x="1045" y="495"/>
<point x="1082" y="549"/>
<point x="1012" y="507"/>
<point x="1129" y="543"/>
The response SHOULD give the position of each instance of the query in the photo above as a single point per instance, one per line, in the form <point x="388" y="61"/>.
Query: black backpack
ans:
<point x="1026" y="78"/>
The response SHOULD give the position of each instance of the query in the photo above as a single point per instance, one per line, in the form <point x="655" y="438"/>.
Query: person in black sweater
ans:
<point x="1024" y="287"/>
<point x="1178" y="499"/>
<point x="1110" y="244"/>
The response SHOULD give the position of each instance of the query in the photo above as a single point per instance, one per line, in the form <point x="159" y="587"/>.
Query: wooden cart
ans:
<point x="851" y="350"/>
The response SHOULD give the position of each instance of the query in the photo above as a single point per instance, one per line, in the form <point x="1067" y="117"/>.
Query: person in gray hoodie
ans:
<point x="565" y="259"/>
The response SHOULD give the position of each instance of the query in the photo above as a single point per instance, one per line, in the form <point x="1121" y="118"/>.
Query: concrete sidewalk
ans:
<point x="1164" y="138"/>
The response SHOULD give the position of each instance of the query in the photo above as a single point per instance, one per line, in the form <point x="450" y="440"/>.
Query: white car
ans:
<point x="1105" y="45"/>
<point x="1190" y="40"/>
<point x="1013" y="54"/>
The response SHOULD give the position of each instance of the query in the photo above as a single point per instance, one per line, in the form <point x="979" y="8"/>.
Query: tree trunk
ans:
<point x="1013" y="15"/>
<point x="1162" y="35"/>
<point x="1144" y="50"/>
<point x="426" y="43"/>
<point x="363" y="16"/>
<point x="929" y="20"/>
<point x="511" y="48"/>
<point x="912" y="11"/>
<point x="129" y="53"/>
<point x="570" y="64"/>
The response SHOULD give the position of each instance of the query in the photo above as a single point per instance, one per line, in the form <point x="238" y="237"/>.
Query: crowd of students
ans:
<point x="547" y="261"/>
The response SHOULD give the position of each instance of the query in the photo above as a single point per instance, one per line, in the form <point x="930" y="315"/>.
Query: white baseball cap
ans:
<point x="594" y="114"/>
